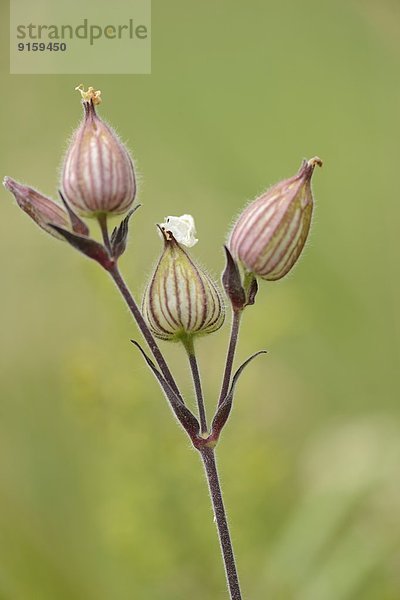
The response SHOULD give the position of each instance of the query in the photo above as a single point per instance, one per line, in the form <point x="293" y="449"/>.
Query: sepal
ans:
<point x="119" y="235"/>
<point x="78" y="226"/>
<point x="232" y="282"/>
<point x="252" y="292"/>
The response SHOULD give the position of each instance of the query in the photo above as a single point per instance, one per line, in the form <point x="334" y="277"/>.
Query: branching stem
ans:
<point x="134" y="309"/>
<point x="236" y="318"/>
<point x="207" y="453"/>
<point x="148" y="336"/>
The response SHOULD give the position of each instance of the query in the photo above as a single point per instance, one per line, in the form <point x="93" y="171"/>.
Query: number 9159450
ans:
<point x="42" y="46"/>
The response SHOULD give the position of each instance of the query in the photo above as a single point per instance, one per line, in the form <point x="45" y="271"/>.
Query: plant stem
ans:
<point x="133" y="307"/>
<point x="236" y="317"/>
<point x="207" y="454"/>
<point x="208" y="457"/>
<point x="189" y="345"/>
<point x="102" y="219"/>
<point x="148" y="336"/>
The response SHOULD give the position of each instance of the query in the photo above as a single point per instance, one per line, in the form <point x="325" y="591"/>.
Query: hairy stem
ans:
<point x="236" y="317"/>
<point x="148" y="336"/>
<point x="102" y="219"/>
<point x="133" y="307"/>
<point x="189" y="345"/>
<point x="208" y="457"/>
<point x="207" y="454"/>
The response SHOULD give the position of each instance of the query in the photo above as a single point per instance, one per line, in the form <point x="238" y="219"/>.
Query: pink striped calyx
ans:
<point x="269" y="235"/>
<point x="181" y="300"/>
<point x="44" y="211"/>
<point x="98" y="176"/>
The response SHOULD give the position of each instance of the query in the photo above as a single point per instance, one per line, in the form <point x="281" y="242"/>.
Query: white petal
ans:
<point x="182" y="228"/>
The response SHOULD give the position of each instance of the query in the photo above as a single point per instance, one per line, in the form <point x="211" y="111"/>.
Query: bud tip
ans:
<point x="315" y="161"/>
<point x="10" y="184"/>
<point x="91" y="95"/>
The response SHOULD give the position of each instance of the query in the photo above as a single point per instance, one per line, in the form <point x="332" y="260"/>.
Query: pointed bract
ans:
<point x="78" y="226"/>
<point x="232" y="282"/>
<point x="225" y="407"/>
<point x="87" y="246"/>
<point x="119" y="235"/>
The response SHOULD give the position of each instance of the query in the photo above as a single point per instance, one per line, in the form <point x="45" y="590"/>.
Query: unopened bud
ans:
<point x="181" y="299"/>
<point x="42" y="210"/>
<point x="269" y="235"/>
<point x="98" y="176"/>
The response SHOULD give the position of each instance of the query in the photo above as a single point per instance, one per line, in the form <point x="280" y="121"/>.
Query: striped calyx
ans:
<point x="44" y="211"/>
<point x="269" y="235"/>
<point x="98" y="175"/>
<point x="181" y="299"/>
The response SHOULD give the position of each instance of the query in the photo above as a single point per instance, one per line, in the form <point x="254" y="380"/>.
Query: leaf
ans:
<point x="87" y="246"/>
<point x="181" y="411"/>
<point x="119" y="235"/>
<point x="78" y="226"/>
<point x="222" y="414"/>
<point x="232" y="282"/>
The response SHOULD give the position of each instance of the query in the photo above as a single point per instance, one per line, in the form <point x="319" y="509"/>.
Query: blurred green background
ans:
<point x="101" y="496"/>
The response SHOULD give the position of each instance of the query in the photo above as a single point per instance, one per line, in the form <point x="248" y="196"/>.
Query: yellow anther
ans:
<point x="90" y="95"/>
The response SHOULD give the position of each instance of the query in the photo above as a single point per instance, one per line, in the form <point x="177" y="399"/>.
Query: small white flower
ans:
<point x="182" y="228"/>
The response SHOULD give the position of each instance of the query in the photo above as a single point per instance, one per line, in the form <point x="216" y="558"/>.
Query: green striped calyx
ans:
<point x="269" y="235"/>
<point x="181" y="300"/>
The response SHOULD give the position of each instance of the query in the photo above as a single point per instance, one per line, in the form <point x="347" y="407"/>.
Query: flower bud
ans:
<point x="98" y="176"/>
<point x="42" y="210"/>
<point x="181" y="299"/>
<point x="269" y="235"/>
